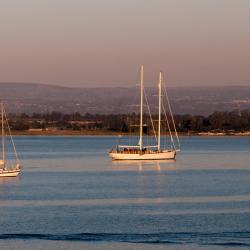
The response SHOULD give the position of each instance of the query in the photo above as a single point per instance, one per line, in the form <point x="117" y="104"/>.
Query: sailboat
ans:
<point x="14" y="169"/>
<point x="147" y="152"/>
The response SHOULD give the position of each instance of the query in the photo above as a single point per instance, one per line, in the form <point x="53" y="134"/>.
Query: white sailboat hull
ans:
<point x="5" y="170"/>
<point x="162" y="155"/>
<point x="140" y="151"/>
<point x="9" y="173"/>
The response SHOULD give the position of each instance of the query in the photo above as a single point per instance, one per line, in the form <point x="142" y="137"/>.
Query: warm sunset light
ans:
<point x="124" y="125"/>
<point x="100" y="43"/>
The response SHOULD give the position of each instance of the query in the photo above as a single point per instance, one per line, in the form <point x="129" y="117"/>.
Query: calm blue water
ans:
<point x="70" y="195"/>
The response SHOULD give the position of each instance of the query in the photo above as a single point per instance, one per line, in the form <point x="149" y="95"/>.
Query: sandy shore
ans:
<point x="107" y="133"/>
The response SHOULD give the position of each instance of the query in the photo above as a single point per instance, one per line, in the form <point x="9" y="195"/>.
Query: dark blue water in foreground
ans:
<point x="71" y="193"/>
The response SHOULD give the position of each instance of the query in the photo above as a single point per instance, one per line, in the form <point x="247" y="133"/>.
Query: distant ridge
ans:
<point x="40" y="98"/>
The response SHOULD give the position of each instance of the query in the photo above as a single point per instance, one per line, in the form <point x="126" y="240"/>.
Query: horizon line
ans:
<point x="122" y="86"/>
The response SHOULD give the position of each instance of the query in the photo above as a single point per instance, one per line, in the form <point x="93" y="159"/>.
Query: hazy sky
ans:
<point x="103" y="42"/>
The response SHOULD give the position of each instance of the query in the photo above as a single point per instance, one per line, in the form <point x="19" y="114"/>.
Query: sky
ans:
<point x="91" y="43"/>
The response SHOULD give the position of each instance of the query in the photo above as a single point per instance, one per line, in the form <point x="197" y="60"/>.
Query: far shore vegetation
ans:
<point x="55" y="123"/>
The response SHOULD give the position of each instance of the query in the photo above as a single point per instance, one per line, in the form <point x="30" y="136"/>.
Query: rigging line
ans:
<point x="11" y="138"/>
<point x="169" y="129"/>
<point x="3" y="135"/>
<point x="150" y="114"/>
<point x="129" y="129"/>
<point x="8" y="152"/>
<point x="172" y="117"/>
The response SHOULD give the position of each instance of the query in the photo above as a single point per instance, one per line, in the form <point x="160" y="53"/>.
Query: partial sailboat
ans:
<point x="7" y="170"/>
<point x="148" y="152"/>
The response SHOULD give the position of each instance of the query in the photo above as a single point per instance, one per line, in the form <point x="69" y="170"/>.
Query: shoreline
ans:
<point x="112" y="133"/>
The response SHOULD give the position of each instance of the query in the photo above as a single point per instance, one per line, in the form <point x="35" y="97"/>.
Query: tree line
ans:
<point x="237" y="120"/>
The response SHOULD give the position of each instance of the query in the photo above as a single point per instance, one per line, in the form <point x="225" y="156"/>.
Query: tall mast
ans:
<point x="2" y="132"/>
<point x="159" y="116"/>
<point x="141" y="112"/>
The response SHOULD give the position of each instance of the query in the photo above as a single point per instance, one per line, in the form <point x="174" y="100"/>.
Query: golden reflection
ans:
<point x="144" y="165"/>
<point x="9" y="180"/>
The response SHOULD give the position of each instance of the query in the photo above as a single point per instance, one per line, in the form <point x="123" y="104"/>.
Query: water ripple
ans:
<point x="222" y="239"/>
<point x="127" y="201"/>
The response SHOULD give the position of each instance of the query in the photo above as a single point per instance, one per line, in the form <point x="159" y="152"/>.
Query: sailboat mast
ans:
<point x="3" y="142"/>
<point x="141" y="111"/>
<point x="159" y="116"/>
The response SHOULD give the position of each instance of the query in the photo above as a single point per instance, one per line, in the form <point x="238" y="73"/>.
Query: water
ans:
<point x="70" y="195"/>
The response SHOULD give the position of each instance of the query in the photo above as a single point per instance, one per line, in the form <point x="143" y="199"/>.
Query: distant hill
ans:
<point x="40" y="98"/>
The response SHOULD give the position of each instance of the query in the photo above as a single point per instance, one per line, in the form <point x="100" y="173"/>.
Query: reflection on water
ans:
<point x="144" y="165"/>
<point x="9" y="180"/>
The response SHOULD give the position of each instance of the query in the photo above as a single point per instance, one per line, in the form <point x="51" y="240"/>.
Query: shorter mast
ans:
<point x="141" y="111"/>
<point x="159" y="115"/>
<point x="3" y="142"/>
